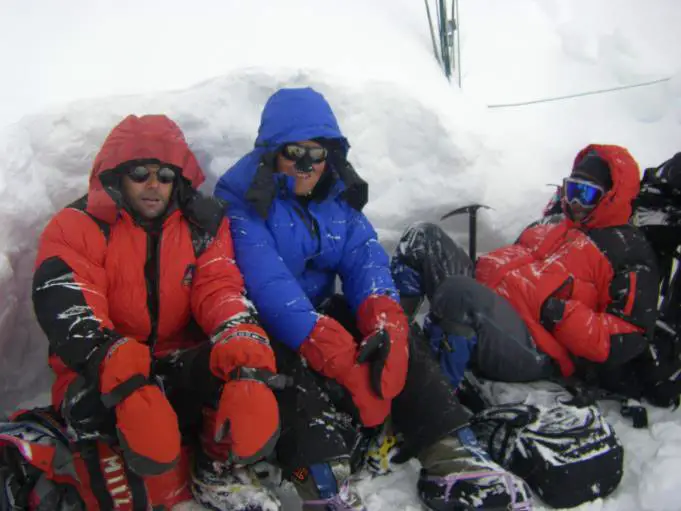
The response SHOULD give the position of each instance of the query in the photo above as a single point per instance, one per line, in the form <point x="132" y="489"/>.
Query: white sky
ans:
<point x="55" y="51"/>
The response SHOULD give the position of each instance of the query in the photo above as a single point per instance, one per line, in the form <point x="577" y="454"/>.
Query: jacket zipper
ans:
<point x="310" y="222"/>
<point x="152" y="277"/>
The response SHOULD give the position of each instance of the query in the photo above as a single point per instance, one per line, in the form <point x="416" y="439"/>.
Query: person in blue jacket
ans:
<point x="295" y="208"/>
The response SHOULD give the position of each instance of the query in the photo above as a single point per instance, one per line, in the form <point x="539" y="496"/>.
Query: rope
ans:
<point x="581" y="94"/>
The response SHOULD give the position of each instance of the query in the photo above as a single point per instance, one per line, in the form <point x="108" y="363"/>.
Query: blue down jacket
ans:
<point x="290" y="253"/>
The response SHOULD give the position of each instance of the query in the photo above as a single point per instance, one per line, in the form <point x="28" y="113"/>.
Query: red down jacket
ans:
<point x="103" y="283"/>
<point x="602" y="268"/>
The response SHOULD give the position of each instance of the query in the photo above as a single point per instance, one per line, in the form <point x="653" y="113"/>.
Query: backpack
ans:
<point x="568" y="455"/>
<point x="659" y="368"/>
<point x="41" y="470"/>
<point x="657" y="212"/>
<point x="28" y="451"/>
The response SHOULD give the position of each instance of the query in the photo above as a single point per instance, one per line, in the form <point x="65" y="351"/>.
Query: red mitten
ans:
<point x="126" y="359"/>
<point x="246" y="423"/>
<point x="385" y="346"/>
<point x="146" y="423"/>
<point x="241" y="346"/>
<point x="372" y="409"/>
<point x="331" y="351"/>
<point x="148" y="431"/>
<point x="247" y="419"/>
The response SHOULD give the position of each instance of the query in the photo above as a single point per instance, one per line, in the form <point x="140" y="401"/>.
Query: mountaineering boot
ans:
<point x="327" y="486"/>
<point x="458" y="475"/>
<point x="221" y="487"/>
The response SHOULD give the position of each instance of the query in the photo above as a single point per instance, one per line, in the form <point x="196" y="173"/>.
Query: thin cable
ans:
<point x="579" y="95"/>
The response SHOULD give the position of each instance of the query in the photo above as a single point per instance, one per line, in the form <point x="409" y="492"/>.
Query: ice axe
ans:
<point x="472" y="210"/>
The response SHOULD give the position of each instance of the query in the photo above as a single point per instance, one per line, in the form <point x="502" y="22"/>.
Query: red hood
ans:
<point x="150" y="137"/>
<point x="615" y="207"/>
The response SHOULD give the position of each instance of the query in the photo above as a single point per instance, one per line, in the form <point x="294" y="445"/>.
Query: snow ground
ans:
<point x="424" y="146"/>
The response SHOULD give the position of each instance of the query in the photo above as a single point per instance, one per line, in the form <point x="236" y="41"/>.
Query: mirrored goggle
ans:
<point x="140" y="174"/>
<point x="296" y="152"/>
<point x="585" y="193"/>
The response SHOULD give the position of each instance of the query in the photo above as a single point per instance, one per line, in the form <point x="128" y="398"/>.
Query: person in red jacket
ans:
<point x="573" y="297"/>
<point x="150" y="335"/>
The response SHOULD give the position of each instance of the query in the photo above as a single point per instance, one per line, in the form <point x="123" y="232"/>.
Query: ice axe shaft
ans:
<point x="472" y="211"/>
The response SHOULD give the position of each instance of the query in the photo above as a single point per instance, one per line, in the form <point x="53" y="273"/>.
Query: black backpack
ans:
<point x="568" y="455"/>
<point x="657" y="212"/>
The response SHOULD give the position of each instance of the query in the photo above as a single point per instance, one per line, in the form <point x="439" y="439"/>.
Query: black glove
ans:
<point x="552" y="312"/>
<point x="375" y="350"/>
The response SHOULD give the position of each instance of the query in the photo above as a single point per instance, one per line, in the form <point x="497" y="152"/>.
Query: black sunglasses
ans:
<point x="140" y="174"/>
<point x="296" y="152"/>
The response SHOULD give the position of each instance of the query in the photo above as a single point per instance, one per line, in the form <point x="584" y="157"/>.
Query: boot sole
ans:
<point x="448" y="506"/>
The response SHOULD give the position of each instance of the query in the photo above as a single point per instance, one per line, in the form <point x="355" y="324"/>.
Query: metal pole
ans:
<point x="444" y="47"/>
<point x="473" y="234"/>
<point x="432" y="32"/>
<point x="457" y="21"/>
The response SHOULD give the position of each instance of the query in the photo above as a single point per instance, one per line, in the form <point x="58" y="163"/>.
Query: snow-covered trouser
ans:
<point x="504" y="349"/>
<point x="313" y="429"/>
<point x="424" y="412"/>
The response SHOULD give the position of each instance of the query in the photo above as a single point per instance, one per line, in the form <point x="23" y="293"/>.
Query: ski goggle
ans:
<point x="296" y="152"/>
<point x="584" y="193"/>
<point x="141" y="174"/>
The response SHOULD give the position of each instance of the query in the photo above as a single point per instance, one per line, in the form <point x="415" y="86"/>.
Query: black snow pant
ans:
<point x="185" y="378"/>
<point x="320" y="423"/>
<point x="504" y="350"/>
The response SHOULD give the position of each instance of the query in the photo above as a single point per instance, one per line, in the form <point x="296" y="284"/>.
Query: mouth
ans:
<point x="151" y="201"/>
<point x="303" y="175"/>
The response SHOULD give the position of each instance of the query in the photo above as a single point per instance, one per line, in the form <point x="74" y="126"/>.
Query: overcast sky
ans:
<point x="55" y="51"/>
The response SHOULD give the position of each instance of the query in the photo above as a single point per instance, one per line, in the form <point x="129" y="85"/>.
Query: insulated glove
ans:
<point x="332" y="351"/>
<point x="385" y="346"/>
<point x="146" y="423"/>
<point x="244" y="426"/>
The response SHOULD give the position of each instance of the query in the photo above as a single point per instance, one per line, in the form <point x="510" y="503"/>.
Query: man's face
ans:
<point x="579" y="213"/>
<point x="305" y="181"/>
<point x="581" y="196"/>
<point x="148" y="197"/>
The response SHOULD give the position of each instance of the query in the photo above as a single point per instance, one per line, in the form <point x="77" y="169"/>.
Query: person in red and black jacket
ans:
<point x="150" y="334"/>
<point x="576" y="296"/>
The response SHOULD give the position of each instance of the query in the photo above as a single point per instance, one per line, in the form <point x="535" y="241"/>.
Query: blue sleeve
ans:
<point x="364" y="267"/>
<point x="283" y="307"/>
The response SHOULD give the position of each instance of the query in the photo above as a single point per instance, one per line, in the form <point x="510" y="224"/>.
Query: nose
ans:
<point x="153" y="181"/>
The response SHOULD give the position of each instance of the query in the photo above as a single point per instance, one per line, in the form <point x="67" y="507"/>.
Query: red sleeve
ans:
<point x="587" y="334"/>
<point x="621" y="331"/>
<point x="221" y="308"/>
<point x="218" y="293"/>
<point x="69" y="287"/>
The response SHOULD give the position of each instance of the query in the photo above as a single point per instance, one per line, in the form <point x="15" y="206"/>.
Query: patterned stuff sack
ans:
<point x="41" y="470"/>
<point x="27" y="453"/>
<point x="567" y="454"/>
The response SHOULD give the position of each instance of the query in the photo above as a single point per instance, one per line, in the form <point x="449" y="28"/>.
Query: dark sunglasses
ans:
<point x="141" y="174"/>
<point x="584" y="193"/>
<point x="296" y="152"/>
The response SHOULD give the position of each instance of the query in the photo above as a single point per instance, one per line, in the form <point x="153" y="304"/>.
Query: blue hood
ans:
<point x="290" y="115"/>
<point x="293" y="115"/>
